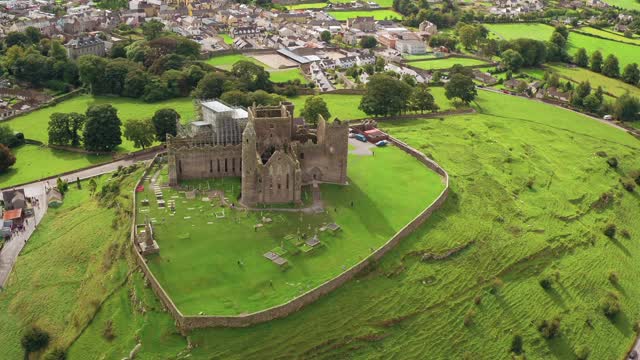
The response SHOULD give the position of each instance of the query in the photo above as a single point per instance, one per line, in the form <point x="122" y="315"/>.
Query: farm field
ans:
<point x="379" y="211"/>
<point x="445" y="63"/>
<point x="625" y="4"/>
<point x="320" y="5"/>
<point x="626" y="53"/>
<point x="345" y="107"/>
<point x="610" y="35"/>
<point x="500" y="226"/>
<point x="35" y="162"/>
<point x="613" y="86"/>
<point x="377" y="14"/>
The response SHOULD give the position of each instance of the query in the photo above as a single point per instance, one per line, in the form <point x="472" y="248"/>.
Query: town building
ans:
<point x="85" y="45"/>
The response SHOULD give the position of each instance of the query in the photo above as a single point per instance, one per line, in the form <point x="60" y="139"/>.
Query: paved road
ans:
<point x="13" y="247"/>
<point x="361" y="148"/>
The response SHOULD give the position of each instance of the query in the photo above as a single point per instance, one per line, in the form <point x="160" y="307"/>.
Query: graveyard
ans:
<point x="218" y="258"/>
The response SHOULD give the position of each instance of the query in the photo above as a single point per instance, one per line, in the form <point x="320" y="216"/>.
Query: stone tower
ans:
<point x="249" y="165"/>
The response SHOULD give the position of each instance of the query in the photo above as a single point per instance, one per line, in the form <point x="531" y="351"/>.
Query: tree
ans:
<point x="236" y="97"/>
<point x="254" y="77"/>
<point x="62" y="186"/>
<point x="134" y="83"/>
<point x="533" y="52"/>
<point x="610" y="305"/>
<point x="102" y="128"/>
<point x="462" y="87"/>
<point x="559" y="40"/>
<point x="141" y="132"/>
<point x="211" y="86"/>
<point x="34" y="340"/>
<point x="512" y="60"/>
<point x="152" y="29"/>
<point x="313" y="107"/>
<point x="631" y="74"/>
<point x="592" y="103"/>
<point x="517" y="344"/>
<point x="385" y="95"/>
<point x="422" y="100"/>
<point x="156" y="90"/>
<point x="627" y="108"/>
<point x="8" y="137"/>
<point x="33" y="34"/>
<point x="596" y="61"/>
<point x="610" y="67"/>
<point x="468" y="35"/>
<point x="91" y="69"/>
<point x="165" y="121"/>
<point x="7" y="159"/>
<point x="580" y="58"/>
<point x="368" y="42"/>
<point x="325" y="36"/>
<point x="581" y="91"/>
<point x="17" y="38"/>
<point x="115" y="75"/>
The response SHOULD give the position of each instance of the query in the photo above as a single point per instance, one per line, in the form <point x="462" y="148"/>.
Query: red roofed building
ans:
<point x="15" y="215"/>
<point x="375" y="135"/>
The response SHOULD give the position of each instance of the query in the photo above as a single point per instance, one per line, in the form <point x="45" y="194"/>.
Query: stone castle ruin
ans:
<point x="273" y="154"/>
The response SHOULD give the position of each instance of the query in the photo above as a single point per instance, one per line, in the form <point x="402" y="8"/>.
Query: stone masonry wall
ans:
<point x="189" y="322"/>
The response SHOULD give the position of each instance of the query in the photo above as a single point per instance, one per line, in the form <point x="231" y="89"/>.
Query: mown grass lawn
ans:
<point x="625" y="4"/>
<point x="626" y="53"/>
<point x="282" y="76"/>
<point x="34" y="162"/>
<point x="320" y="5"/>
<point x="382" y="14"/>
<point x="445" y="63"/>
<point x="345" y="107"/>
<point x="210" y="283"/>
<point x="613" y="86"/>
<point x="226" y="61"/>
<point x="226" y="38"/>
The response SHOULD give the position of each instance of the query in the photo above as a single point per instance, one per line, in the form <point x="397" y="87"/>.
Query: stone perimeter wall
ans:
<point x="185" y="323"/>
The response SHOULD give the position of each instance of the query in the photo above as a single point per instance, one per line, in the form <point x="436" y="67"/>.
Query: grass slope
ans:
<point x="377" y="14"/>
<point x="625" y="4"/>
<point x="610" y="35"/>
<point x="626" y="53"/>
<point x="613" y="86"/>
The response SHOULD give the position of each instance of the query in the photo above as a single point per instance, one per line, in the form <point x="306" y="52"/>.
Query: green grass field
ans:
<point x="321" y="5"/>
<point x="609" y="35"/>
<point x="34" y="162"/>
<point x="377" y="14"/>
<point x="445" y="63"/>
<point x="226" y="38"/>
<point x="625" y="4"/>
<point x="345" y="107"/>
<point x="227" y="61"/>
<point x="407" y="307"/>
<point x="379" y="211"/>
<point x="626" y="53"/>
<point x="281" y="76"/>
<point x="419" y="57"/>
<point x="613" y="86"/>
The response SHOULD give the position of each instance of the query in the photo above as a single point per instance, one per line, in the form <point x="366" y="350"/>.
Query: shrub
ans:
<point x="546" y="283"/>
<point x="57" y="354"/>
<point x="610" y="305"/>
<point x="629" y="185"/>
<point x="613" y="162"/>
<point x="549" y="328"/>
<point x="613" y="278"/>
<point x="477" y="300"/>
<point x="34" y="339"/>
<point x="468" y="317"/>
<point x="496" y="284"/>
<point x="610" y="231"/>
<point x="625" y="234"/>
<point x="582" y="352"/>
<point x="517" y="345"/>
<point x="108" y="332"/>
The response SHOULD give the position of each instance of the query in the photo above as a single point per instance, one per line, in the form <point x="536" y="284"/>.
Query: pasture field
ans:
<point x="320" y="5"/>
<point x="610" y="35"/>
<point x="281" y="76"/>
<point x="625" y="4"/>
<point x="384" y="14"/>
<point x="379" y="210"/>
<point x="345" y="107"/>
<point x="526" y="204"/>
<point x="226" y="61"/>
<point x="445" y="63"/>
<point x="34" y="162"/>
<point x="613" y="86"/>
<point x="626" y="53"/>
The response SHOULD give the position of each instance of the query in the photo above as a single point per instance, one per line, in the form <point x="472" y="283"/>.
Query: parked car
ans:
<point x="361" y="137"/>
<point x="608" y="117"/>
<point x="382" y="143"/>
<point x="633" y="355"/>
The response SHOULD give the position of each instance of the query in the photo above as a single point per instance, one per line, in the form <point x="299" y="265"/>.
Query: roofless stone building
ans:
<point x="273" y="154"/>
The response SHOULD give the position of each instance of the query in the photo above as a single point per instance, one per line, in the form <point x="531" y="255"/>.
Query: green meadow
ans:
<point x="282" y="76"/>
<point x="625" y="4"/>
<point x="34" y="162"/>
<point x="527" y="202"/>
<point x="626" y="53"/>
<point x="445" y="63"/>
<point x="321" y="5"/>
<point x="279" y="76"/>
<point x="383" y="14"/>
<point x="614" y="86"/>
<point x="610" y="35"/>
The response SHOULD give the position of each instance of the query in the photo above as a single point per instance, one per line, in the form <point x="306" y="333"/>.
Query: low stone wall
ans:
<point x="189" y="322"/>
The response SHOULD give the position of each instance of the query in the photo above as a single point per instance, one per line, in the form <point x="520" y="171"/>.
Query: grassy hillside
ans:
<point x="527" y="182"/>
<point x="613" y="86"/>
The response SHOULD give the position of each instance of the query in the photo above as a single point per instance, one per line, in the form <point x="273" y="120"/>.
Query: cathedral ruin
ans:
<point x="273" y="154"/>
